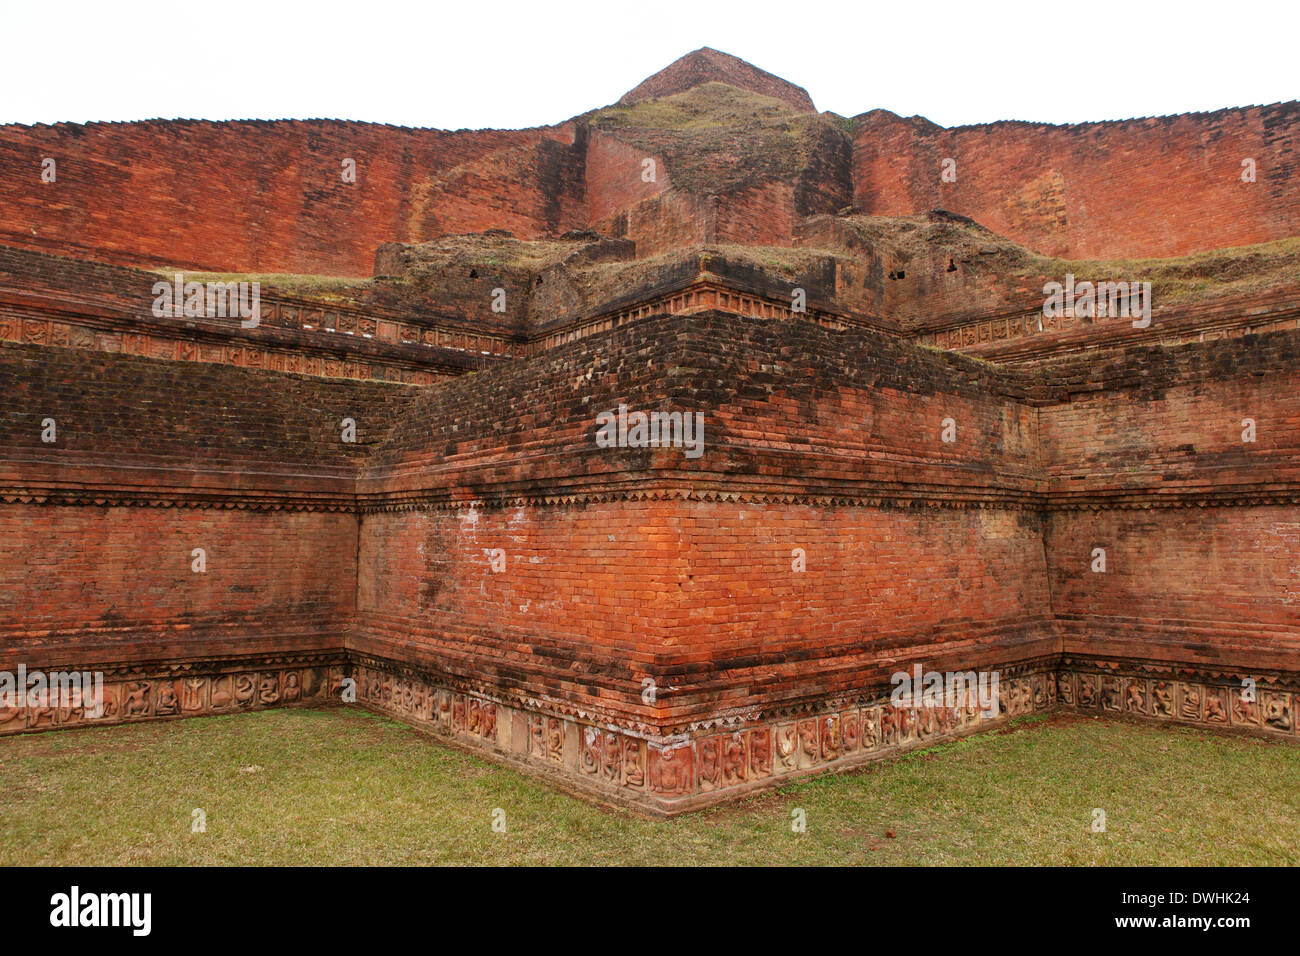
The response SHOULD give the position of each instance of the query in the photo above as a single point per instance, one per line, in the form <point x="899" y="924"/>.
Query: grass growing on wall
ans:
<point x="342" y="786"/>
<point x="707" y="106"/>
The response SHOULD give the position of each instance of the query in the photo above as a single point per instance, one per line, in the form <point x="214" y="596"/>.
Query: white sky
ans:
<point x="507" y="65"/>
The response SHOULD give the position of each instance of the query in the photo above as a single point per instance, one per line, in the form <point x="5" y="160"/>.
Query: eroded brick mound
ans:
<point x="810" y="487"/>
<point x="740" y="156"/>
<point x="707" y="65"/>
<point x="1154" y="186"/>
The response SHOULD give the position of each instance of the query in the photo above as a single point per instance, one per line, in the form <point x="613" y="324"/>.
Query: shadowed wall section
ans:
<point x="1201" y="528"/>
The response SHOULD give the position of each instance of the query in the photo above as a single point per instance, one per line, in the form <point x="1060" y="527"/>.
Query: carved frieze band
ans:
<point x="1200" y="702"/>
<point x="440" y="501"/>
<point x="370" y="504"/>
<point x="435" y="501"/>
<point x="659" y="770"/>
<point x="130" y="693"/>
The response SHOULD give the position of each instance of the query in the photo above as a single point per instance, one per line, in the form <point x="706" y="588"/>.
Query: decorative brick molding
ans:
<point x="1182" y="696"/>
<point x="188" y="689"/>
<point x="706" y="292"/>
<point x="68" y="325"/>
<point x="665" y="774"/>
<point x="154" y="499"/>
<point x="1025" y="335"/>
<point x="643" y="766"/>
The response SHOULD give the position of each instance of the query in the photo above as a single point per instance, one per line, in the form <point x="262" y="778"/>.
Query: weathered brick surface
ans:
<point x="1161" y="186"/>
<point x="918" y="291"/>
<point x="126" y="410"/>
<point x="93" y="584"/>
<point x="707" y="65"/>
<point x="1220" y="592"/>
<point x="622" y="566"/>
<point x="533" y="191"/>
<point x="1143" y="442"/>
<point x="153" y="459"/>
<point x="253" y="196"/>
<point x="268" y="196"/>
<point x="367" y="329"/>
<point x="617" y="177"/>
<point x="1172" y="420"/>
<point x="650" y="627"/>
<point x="665" y="221"/>
<point x="684" y="587"/>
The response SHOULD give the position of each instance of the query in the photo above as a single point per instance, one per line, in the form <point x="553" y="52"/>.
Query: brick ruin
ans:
<point x="884" y="403"/>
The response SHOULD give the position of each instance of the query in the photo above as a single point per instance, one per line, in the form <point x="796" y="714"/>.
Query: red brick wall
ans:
<point x="1170" y="420"/>
<point x="576" y="613"/>
<point x="246" y="196"/>
<point x="152" y="460"/>
<point x="761" y="216"/>
<point x="614" y="176"/>
<point x="534" y="191"/>
<point x="701" y="596"/>
<point x="600" y="591"/>
<point x="667" y="222"/>
<point x="626" y="563"/>
<point x="1220" y="586"/>
<point x="765" y="213"/>
<point x="116" y="583"/>
<point x="1195" y="583"/>
<point x="258" y="430"/>
<point x="1163" y="186"/>
<point x="883" y="588"/>
<point x="268" y="197"/>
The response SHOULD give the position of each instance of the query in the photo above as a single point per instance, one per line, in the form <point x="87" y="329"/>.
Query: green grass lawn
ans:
<point x="344" y="786"/>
